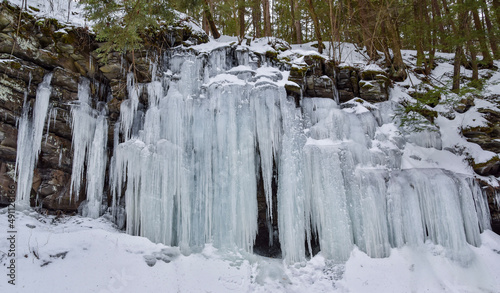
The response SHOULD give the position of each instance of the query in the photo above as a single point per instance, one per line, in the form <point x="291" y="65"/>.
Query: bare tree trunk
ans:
<point x="473" y="53"/>
<point x="69" y="7"/>
<point x="317" y="29"/>
<point x="205" y="25"/>
<point x="334" y="28"/>
<point x="256" y="15"/>
<point x="492" y="36"/>
<point x="241" y="18"/>
<point x="292" y="20"/>
<point x="210" y="19"/>
<point x="456" y="69"/>
<point x="385" y="44"/>
<point x="297" y="28"/>
<point x="418" y="17"/>
<point x="364" y="14"/>
<point x="496" y="10"/>
<point x="267" y="18"/>
<point x="397" y="62"/>
<point x="437" y="18"/>
<point x="462" y="24"/>
<point x="487" y="60"/>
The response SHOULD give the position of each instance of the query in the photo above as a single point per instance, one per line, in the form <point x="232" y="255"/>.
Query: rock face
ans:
<point x="41" y="46"/>
<point x="319" y="78"/>
<point x="489" y="139"/>
<point x="316" y="78"/>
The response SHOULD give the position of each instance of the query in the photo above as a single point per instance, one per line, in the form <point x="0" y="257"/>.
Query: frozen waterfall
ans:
<point x="90" y="135"/>
<point x="29" y="141"/>
<point x="189" y="163"/>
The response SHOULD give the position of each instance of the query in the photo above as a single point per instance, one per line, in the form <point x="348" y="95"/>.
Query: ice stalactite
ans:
<point x="96" y="164"/>
<point x="29" y="141"/>
<point x="90" y="134"/>
<point x="265" y="100"/>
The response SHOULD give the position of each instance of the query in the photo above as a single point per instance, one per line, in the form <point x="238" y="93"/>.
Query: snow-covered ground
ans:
<point x="75" y="254"/>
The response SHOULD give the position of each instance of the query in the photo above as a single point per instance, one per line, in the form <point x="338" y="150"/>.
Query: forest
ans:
<point x="468" y="28"/>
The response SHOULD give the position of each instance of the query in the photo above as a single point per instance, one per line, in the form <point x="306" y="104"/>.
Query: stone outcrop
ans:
<point x="316" y="78"/>
<point x="487" y="137"/>
<point x="319" y="77"/>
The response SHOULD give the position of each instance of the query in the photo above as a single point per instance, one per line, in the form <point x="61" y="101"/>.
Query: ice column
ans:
<point x="293" y="221"/>
<point x="90" y="135"/>
<point x="29" y="141"/>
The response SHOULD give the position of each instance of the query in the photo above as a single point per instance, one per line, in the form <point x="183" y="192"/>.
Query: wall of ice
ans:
<point x="188" y="161"/>
<point x="190" y="169"/>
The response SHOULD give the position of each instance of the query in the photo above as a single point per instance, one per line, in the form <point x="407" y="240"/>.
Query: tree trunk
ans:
<point x="462" y="25"/>
<point x="241" y="18"/>
<point x="496" y="10"/>
<point x="210" y="19"/>
<point x="205" y="25"/>
<point x="267" y="18"/>
<point x="364" y="17"/>
<point x="418" y="17"/>
<point x="334" y="29"/>
<point x="437" y="18"/>
<point x="385" y="44"/>
<point x="256" y="15"/>
<point x="492" y="36"/>
<point x="397" y="62"/>
<point x="487" y="60"/>
<point x="317" y="30"/>
<point x="297" y="28"/>
<point x="456" y="69"/>
<point x="473" y="56"/>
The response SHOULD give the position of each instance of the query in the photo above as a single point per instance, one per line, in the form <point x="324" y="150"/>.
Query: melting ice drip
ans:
<point x="29" y="141"/>
<point x="189" y="166"/>
<point x="90" y="134"/>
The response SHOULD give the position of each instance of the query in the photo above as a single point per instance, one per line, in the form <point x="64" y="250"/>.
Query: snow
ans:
<point x="57" y="9"/>
<point x="89" y="255"/>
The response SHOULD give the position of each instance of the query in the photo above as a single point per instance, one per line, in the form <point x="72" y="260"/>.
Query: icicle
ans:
<point x="29" y="142"/>
<point x="96" y="166"/>
<point x="82" y="128"/>
<point x="128" y="108"/>
<point x="327" y="200"/>
<point x="90" y="136"/>
<point x="265" y="100"/>
<point x="60" y="157"/>
<point x="292" y="219"/>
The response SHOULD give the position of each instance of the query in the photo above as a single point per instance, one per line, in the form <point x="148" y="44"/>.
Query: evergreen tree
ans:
<point x="120" y="24"/>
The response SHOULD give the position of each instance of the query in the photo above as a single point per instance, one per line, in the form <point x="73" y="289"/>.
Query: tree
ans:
<point x="297" y="27"/>
<point x="463" y="15"/>
<point x="365" y="14"/>
<point x="492" y="34"/>
<point x="210" y="19"/>
<point x="317" y="29"/>
<point x="480" y="32"/>
<point x="267" y="18"/>
<point x="256" y="18"/>
<point x="120" y="24"/>
<point x="241" y="18"/>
